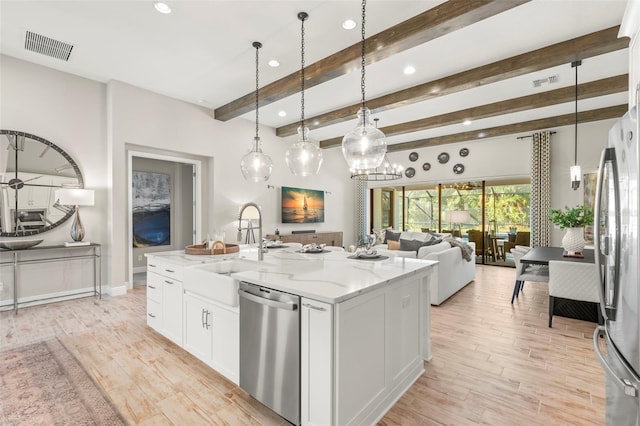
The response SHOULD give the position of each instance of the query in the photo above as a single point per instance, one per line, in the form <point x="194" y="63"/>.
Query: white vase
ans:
<point x="573" y="241"/>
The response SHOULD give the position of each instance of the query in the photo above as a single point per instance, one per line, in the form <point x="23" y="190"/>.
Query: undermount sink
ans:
<point x="214" y="281"/>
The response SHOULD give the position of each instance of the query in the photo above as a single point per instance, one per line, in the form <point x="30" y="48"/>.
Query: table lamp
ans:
<point x="75" y="197"/>
<point x="458" y="217"/>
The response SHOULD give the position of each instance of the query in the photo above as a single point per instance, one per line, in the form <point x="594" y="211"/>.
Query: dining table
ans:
<point x="586" y="311"/>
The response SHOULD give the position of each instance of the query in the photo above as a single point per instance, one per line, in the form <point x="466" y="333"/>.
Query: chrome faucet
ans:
<point x="242" y="209"/>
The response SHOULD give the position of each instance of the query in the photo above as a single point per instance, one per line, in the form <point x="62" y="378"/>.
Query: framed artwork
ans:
<point x="151" y="215"/>
<point x="302" y="205"/>
<point x="590" y="180"/>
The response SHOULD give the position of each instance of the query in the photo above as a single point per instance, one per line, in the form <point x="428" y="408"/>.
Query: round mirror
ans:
<point x="31" y="169"/>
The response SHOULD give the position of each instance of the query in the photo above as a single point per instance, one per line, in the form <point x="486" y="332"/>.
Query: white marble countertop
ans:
<point x="328" y="277"/>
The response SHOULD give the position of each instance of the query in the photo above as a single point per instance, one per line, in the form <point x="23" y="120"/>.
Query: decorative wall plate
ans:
<point x="410" y="172"/>
<point x="413" y="156"/>
<point x="464" y="152"/>
<point x="458" y="169"/>
<point x="426" y="167"/>
<point x="443" y="158"/>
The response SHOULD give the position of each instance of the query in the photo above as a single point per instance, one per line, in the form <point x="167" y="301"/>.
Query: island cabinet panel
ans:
<point x="403" y="328"/>
<point x="164" y="304"/>
<point x="378" y="350"/>
<point x="212" y="333"/>
<point x="316" y="362"/>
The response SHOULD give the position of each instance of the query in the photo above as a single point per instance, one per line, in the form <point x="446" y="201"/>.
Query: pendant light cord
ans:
<point x="302" y="16"/>
<point x="362" y="52"/>
<point x="257" y="45"/>
<point x="575" y="140"/>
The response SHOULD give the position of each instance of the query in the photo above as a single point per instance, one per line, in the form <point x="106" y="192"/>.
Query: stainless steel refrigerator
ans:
<point x="617" y="342"/>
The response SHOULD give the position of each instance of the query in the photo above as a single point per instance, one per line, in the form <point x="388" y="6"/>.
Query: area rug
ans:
<point x="44" y="384"/>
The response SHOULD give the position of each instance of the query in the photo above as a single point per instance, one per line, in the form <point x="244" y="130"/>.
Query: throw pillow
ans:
<point x="393" y="245"/>
<point x="412" y="245"/>
<point x="391" y="235"/>
<point x="379" y="234"/>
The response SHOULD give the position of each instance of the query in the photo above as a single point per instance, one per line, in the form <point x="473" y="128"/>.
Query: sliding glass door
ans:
<point x="494" y="215"/>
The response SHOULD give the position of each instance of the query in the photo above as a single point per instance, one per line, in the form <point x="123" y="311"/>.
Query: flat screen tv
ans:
<point x="302" y="205"/>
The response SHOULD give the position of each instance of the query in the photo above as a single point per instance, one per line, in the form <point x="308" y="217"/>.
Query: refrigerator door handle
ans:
<point x="630" y="389"/>
<point x="596" y="234"/>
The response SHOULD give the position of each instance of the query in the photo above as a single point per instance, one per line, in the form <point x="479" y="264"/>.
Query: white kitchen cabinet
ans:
<point x="164" y="299"/>
<point x="172" y="310"/>
<point x="212" y="333"/>
<point x="197" y="326"/>
<point x="316" y="364"/>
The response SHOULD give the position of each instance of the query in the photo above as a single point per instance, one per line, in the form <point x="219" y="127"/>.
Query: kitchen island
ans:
<point x="364" y="324"/>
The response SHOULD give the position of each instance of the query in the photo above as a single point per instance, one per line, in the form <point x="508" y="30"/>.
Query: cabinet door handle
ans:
<point x="317" y="308"/>
<point x="152" y="265"/>
<point x="169" y="282"/>
<point x="170" y="270"/>
<point x="207" y="319"/>
<point x="150" y="286"/>
<point x="202" y="318"/>
<point x="152" y="316"/>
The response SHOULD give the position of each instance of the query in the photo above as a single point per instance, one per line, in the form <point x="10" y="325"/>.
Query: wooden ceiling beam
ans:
<point x="526" y="126"/>
<point x="436" y="22"/>
<point x="565" y="52"/>
<point x="592" y="89"/>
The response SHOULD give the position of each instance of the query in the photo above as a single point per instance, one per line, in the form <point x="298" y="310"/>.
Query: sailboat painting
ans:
<point x="151" y="209"/>
<point x="302" y="205"/>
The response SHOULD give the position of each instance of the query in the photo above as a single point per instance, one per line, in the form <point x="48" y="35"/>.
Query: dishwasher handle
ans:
<point x="290" y="306"/>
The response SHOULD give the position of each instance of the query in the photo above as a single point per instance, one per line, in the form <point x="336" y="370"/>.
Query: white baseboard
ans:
<point x="117" y="291"/>
<point x="139" y="269"/>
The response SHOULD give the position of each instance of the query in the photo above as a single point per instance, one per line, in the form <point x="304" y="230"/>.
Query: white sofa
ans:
<point x="452" y="271"/>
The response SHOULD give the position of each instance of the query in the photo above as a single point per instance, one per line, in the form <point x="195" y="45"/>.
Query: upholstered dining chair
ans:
<point x="575" y="281"/>
<point x="532" y="273"/>
<point x="522" y="239"/>
<point x="475" y="236"/>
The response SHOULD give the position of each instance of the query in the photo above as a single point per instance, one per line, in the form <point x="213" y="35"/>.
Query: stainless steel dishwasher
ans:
<point x="270" y="348"/>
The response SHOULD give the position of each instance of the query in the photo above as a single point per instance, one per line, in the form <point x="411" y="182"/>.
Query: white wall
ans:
<point x="70" y="112"/>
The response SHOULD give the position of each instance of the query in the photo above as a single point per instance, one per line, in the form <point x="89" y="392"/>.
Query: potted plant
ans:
<point x="573" y="220"/>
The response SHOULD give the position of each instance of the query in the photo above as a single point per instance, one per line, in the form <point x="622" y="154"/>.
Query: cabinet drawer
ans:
<point x="165" y="269"/>
<point x="154" y="314"/>
<point x="154" y="287"/>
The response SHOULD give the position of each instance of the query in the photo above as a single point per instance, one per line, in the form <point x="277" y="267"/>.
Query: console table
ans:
<point x="328" y="238"/>
<point x="52" y="253"/>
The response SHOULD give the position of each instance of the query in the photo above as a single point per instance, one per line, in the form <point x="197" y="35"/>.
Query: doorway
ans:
<point x="163" y="207"/>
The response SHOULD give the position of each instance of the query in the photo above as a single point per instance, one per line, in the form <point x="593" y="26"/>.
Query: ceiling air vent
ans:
<point x="552" y="79"/>
<point x="47" y="46"/>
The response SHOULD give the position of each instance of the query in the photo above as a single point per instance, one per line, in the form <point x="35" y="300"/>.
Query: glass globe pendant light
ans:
<point x="304" y="157"/>
<point x="256" y="166"/>
<point x="365" y="146"/>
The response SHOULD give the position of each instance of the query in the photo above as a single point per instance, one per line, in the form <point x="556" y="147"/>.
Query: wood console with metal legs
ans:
<point x="53" y="253"/>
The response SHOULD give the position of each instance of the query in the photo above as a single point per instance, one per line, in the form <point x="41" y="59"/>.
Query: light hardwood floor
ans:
<point x="493" y="363"/>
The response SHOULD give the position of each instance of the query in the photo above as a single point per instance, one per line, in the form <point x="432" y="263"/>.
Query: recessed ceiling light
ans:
<point x="161" y="7"/>
<point x="282" y="113"/>
<point x="274" y="63"/>
<point x="467" y="122"/>
<point x="316" y="123"/>
<point x="349" y="24"/>
<point x="409" y="69"/>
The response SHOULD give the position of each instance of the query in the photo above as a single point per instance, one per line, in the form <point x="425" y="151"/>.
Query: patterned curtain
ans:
<point x="540" y="189"/>
<point x="361" y="193"/>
